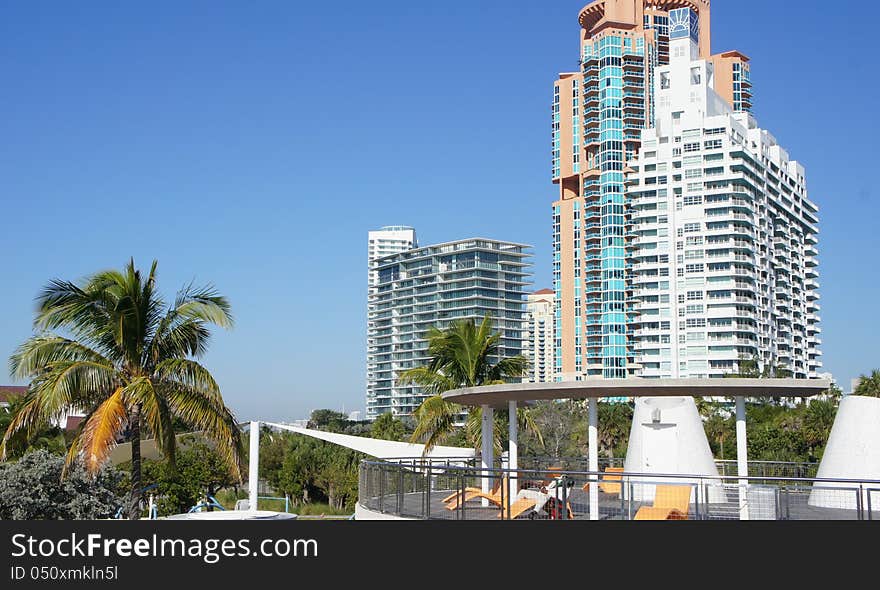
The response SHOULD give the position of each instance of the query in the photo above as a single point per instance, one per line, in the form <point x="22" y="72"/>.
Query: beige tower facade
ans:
<point x="598" y="115"/>
<point x="538" y="339"/>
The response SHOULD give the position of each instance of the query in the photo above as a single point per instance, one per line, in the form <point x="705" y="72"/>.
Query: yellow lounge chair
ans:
<point x="670" y="503"/>
<point x="612" y="475"/>
<point x="471" y="490"/>
<point x="494" y="496"/>
<point x="552" y="473"/>
<point x="517" y="508"/>
<point x="526" y="504"/>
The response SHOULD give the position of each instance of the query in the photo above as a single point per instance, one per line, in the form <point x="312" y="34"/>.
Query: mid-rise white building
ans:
<point x="721" y="235"/>
<point x="538" y="341"/>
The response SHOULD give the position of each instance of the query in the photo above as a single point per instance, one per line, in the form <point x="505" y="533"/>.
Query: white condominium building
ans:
<point x="433" y="286"/>
<point x="389" y="240"/>
<point x="721" y="236"/>
<point x="538" y="342"/>
<point x="386" y="241"/>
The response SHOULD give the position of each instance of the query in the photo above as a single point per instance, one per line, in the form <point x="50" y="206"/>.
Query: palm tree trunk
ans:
<point x="134" y="500"/>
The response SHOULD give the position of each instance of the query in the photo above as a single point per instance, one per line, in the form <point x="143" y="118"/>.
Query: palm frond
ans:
<point x="525" y="418"/>
<point x="189" y="374"/>
<point x="435" y="421"/>
<point x="183" y="330"/>
<point x="39" y="352"/>
<point x="101" y="430"/>
<point x="474" y="429"/>
<point x="215" y="419"/>
<point x="508" y="368"/>
<point x="72" y="453"/>
<point x="72" y="384"/>
<point x="155" y="412"/>
<point x="430" y="381"/>
<point x="28" y="418"/>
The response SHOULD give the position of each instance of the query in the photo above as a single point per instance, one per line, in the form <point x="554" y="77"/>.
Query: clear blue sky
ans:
<point x="254" y="144"/>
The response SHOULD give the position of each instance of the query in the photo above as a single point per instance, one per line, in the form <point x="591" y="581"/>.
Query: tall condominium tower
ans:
<point x="538" y="340"/>
<point x="433" y="286"/>
<point x="598" y="115"/>
<point x="389" y="240"/>
<point x="721" y="235"/>
<point x="385" y="242"/>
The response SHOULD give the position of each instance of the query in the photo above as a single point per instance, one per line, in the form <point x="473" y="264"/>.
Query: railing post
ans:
<point x="254" y="466"/>
<point x="399" y="490"/>
<point x="428" y="494"/>
<point x="629" y="499"/>
<point x="859" y="502"/>
<point x="742" y="458"/>
<point x="461" y="488"/>
<point x="564" y="508"/>
<point x="382" y="491"/>
<point x="870" y="511"/>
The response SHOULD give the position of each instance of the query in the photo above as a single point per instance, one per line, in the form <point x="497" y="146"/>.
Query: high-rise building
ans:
<point x="386" y="241"/>
<point x="538" y="339"/>
<point x="433" y="286"/>
<point x="389" y="240"/>
<point x="599" y="114"/>
<point x="721" y="234"/>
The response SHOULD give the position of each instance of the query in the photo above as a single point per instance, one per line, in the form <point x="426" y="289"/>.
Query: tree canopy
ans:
<point x="110" y="346"/>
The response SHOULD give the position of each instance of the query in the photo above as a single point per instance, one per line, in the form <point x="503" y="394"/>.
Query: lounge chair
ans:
<point x="612" y="475"/>
<point x="670" y="503"/>
<point x="517" y="508"/>
<point x="471" y="490"/>
<point x="552" y="473"/>
<point x="528" y="499"/>
<point x="495" y="496"/>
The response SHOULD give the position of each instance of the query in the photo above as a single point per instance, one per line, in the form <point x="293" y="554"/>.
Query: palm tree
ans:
<point x="129" y="364"/>
<point x="616" y="420"/>
<point x="869" y="385"/>
<point x="525" y="420"/>
<point x="461" y="356"/>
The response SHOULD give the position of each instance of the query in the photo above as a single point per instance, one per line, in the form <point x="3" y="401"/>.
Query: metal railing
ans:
<point x="442" y="490"/>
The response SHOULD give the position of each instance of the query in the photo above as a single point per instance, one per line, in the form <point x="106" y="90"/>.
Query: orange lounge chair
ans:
<point x="670" y="503"/>
<point x="471" y="490"/>
<point x="525" y="504"/>
<point x="552" y="473"/>
<point x="494" y="496"/>
<point x="613" y="475"/>
<point x="517" y="508"/>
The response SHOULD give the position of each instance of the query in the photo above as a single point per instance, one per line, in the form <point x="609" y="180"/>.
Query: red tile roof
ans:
<point x="9" y="391"/>
<point x="545" y="292"/>
<point x="73" y="422"/>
